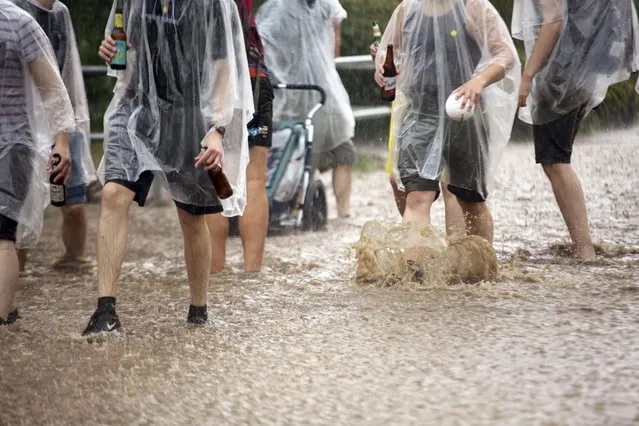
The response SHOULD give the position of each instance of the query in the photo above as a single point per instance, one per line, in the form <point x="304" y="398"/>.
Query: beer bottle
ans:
<point x="58" y="190"/>
<point x="377" y="33"/>
<point x="220" y="182"/>
<point x="390" y="74"/>
<point x="118" y="62"/>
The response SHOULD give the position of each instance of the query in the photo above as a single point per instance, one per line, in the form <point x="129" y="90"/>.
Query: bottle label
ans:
<point x="391" y="83"/>
<point x="57" y="193"/>
<point x="119" y="21"/>
<point x="120" y="53"/>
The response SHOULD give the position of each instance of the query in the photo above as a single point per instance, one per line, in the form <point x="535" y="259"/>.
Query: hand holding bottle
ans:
<point x="107" y="50"/>
<point x="211" y="156"/>
<point x="60" y="169"/>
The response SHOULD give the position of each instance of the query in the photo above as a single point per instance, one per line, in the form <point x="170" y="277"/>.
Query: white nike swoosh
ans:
<point x="110" y="326"/>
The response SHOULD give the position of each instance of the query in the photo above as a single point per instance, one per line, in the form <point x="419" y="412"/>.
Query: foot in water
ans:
<point x="67" y="262"/>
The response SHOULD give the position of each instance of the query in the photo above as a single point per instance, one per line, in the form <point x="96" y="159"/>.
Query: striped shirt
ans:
<point x="54" y="22"/>
<point x="21" y="42"/>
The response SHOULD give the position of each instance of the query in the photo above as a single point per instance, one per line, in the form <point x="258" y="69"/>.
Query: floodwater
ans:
<point x="550" y="342"/>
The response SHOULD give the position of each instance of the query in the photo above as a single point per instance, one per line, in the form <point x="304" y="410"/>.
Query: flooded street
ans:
<point x="550" y="342"/>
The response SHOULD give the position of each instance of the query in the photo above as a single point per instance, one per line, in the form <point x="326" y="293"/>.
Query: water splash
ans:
<point x="392" y="254"/>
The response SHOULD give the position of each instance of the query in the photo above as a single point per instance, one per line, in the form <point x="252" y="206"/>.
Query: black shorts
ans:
<point x="8" y="229"/>
<point x="260" y="128"/>
<point x="415" y="183"/>
<point x="554" y="140"/>
<point x="142" y="187"/>
<point x="16" y="169"/>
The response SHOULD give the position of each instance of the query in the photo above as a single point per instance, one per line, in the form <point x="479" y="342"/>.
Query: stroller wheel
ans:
<point x="315" y="211"/>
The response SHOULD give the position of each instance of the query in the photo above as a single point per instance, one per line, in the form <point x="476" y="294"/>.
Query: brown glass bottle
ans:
<point x="390" y="74"/>
<point x="221" y="183"/>
<point x="58" y="191"/>
<point x="118" y="62"/>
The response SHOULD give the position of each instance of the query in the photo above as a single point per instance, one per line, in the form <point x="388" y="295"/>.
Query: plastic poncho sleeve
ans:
<point x="55" y="111"/>
<point x="528" y="17"/>
<point x="487" y="27"/>
<point x="597" y="47"/>
<point x="35" y="108"/>
<point x="74" y="82"/>
<point x="336" y="12"/>
<point x="392" y="35"/>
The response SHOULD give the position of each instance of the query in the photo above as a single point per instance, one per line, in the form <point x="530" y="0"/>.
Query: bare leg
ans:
<point x="197" y="253"/>
<point x="418" y="204"/>
<point x="254" y="222"/>
<point x="23" y="254"/>
<point x="342" y="177"/>
<point x="112" y="236"/>
<point x="455" y="224"/>
<point x="9" y="272"/>
<point x="570" y="198"/>
<point x="400" y="196"/>
<point x="479" y="220"/>
<point x="218" y="227"/>
<point x="74" y="230"/>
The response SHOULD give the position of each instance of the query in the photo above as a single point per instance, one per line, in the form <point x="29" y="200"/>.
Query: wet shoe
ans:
<point x="11" y="318"/>
<point x="197" y="315"/>
<point x="64" y="262"/>
<point x="102" y="321"/>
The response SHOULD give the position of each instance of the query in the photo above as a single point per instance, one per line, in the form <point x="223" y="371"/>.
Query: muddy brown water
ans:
<point x="551" y="342"/>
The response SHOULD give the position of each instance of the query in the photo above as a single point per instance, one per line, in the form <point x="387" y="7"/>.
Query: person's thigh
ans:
<point x="256" y="169"/>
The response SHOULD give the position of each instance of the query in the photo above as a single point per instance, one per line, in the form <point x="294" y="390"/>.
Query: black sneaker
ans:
<point x="11" y="318"/>
<point x="197" y="315"/>
<point x="102" y="321"/>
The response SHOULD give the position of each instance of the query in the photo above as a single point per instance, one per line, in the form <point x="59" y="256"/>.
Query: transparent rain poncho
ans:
<point x="58" y="26"/>
<point x="439" y="46"/>
<point x="186" y="72"/>
<point x="299" y="48"/>
<point x="597" y="47"/>
<point x="34" y="107"/>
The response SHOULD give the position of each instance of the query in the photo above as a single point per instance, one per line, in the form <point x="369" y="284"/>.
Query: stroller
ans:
<point x="297" y="201"/>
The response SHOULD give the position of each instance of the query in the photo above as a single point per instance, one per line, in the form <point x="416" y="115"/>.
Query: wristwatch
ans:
<point x="220" y="129"/>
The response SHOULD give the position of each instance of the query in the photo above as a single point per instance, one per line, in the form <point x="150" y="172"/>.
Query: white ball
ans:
<point x="454" y="110"/>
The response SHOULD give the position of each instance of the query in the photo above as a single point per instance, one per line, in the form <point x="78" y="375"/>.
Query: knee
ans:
<point x="473" y="208"/>
<point x="115" y="198"/>
<point x="192" y="224"/>
<point x="446" y="193"/>
<point x="73" y="212"/>
<point x="420" y="199"/>
<point x="552" y="170"/>
<point x="257" y="180"/>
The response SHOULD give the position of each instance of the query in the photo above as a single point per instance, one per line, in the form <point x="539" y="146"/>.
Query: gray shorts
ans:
<point x="341" y="155"/>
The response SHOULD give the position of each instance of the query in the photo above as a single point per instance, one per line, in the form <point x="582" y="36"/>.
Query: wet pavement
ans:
<point x="550" y="342"/>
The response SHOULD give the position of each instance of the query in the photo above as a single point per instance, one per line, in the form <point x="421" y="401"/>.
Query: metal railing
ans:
<point x="350" y="63"/>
